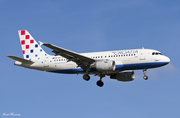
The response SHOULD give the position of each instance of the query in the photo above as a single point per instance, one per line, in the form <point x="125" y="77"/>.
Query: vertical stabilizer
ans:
<point x="30" y="48"/>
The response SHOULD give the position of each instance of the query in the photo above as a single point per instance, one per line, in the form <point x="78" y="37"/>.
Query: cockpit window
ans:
<point x="156" y="53"/>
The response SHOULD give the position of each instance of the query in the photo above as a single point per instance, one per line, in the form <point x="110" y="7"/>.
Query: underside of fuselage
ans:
<point x="137" y="66"/>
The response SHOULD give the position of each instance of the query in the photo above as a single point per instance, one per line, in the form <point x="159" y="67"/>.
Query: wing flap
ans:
<point x="19" y="59"/>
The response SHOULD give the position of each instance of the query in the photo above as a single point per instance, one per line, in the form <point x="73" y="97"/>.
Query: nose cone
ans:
<point x="166" y="60"/>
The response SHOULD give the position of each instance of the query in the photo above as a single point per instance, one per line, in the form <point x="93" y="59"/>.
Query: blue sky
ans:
<point x="88" y="26"/>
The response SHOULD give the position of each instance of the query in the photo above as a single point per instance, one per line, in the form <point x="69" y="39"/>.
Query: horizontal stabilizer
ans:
<point x="20" y="59"/>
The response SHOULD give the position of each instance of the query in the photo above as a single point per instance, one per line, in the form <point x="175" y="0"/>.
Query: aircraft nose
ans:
<point x="166" y="59"/>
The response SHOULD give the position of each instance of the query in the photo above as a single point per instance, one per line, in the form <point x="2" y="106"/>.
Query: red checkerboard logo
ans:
<point x="27" y="36"/>
<point x="32" y="41"/>
<point x="27" y="46"/>
<point x="22" y="42"/>
<point x="23" y="51"/>
<point x="23" y="32"/>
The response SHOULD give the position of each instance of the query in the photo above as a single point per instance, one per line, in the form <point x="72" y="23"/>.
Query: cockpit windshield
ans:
<point x="156" y="53"/>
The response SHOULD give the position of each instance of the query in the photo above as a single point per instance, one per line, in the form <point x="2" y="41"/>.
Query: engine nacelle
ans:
<point x="104" y="65"/>
<point x="124" y="76"/>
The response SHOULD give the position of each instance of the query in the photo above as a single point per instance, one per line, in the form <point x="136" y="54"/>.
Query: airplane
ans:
<point x="118" y="64"/>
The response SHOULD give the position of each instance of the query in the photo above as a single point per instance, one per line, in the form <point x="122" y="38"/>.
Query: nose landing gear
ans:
<point x="145" y="76"/>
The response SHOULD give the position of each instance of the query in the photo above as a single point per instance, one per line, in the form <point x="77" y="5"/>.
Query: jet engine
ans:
<point x="124" y="76"/>
<point x="104" y="65"/>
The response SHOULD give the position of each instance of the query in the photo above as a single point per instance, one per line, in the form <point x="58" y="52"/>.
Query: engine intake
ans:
<point x="124" y="76"/>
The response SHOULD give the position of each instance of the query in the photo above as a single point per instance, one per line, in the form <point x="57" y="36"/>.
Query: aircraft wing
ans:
<point x="80" y="60"/>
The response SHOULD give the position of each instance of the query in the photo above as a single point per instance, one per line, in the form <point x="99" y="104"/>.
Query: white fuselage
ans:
<point x="117" y="64"/>
<point x="124" y="59"/>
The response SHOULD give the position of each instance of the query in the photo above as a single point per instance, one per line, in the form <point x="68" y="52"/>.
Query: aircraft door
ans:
<point x="46" y="62"/>
<point x="142" y="54"/>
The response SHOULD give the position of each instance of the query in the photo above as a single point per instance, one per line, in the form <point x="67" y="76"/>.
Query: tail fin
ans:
<point x="30" y="48"/>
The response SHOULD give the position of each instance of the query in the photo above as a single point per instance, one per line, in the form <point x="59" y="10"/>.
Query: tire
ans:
<point x="100" y="83"/>
<point x="86" y="77"/>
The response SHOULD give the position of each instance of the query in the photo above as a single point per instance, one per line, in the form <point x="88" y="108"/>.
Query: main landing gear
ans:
<point x="100" y="82"/>
<point x="145" y="76"/>
<point x="86" y="77"/>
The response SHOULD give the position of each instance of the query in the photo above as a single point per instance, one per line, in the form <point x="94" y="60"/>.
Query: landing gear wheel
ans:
<point x="100" y="83"/>
<point x="145" y="77"/>
<point x="86" y="77"/>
